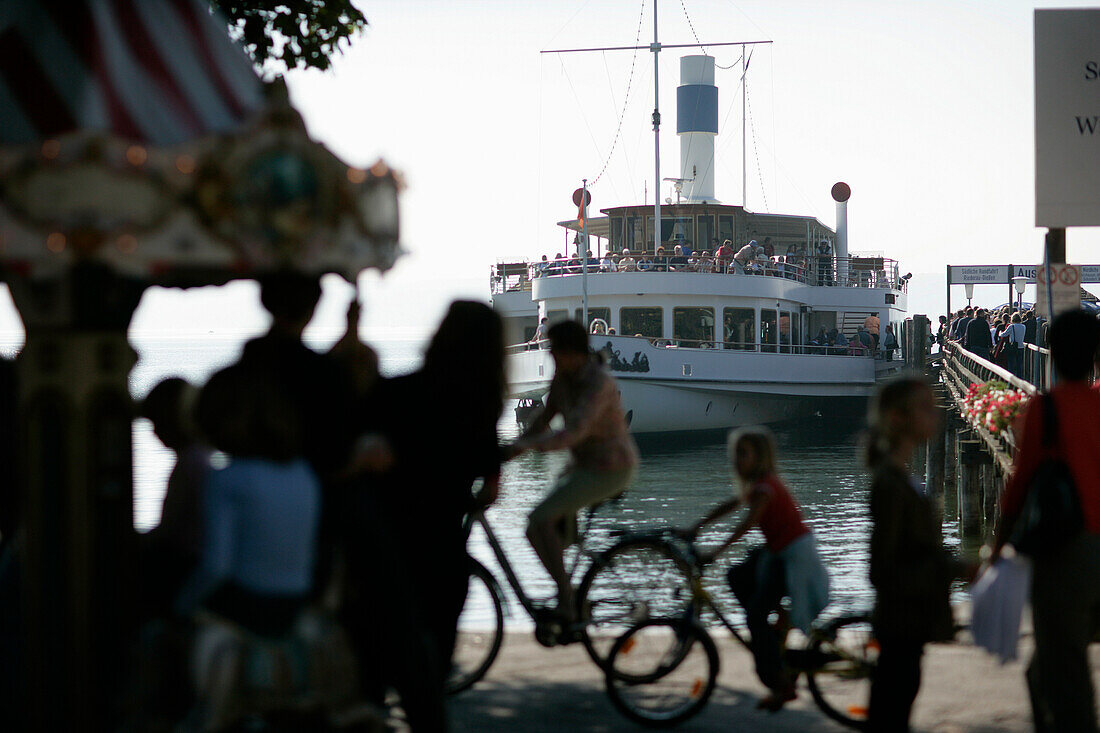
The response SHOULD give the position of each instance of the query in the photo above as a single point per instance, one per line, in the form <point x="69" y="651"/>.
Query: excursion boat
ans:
<point x="700" y="343"/>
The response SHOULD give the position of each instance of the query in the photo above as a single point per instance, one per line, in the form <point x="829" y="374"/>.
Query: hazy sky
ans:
<point x="925" y="108"/>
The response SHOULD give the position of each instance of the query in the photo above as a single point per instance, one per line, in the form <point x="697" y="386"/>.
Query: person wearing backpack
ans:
<point x="1065" y="591"/>
<point x="1013" y="348"/>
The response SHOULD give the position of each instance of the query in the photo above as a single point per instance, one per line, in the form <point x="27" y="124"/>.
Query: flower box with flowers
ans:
<point x="993" y="406"/>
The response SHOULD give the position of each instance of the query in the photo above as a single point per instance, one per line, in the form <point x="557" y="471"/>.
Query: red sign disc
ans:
<point x="841" y="192"/>
<point x="577" y="197"/>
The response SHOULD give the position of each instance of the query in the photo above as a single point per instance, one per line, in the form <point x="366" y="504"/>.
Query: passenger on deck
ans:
<point x="627" y="263"/>
<point x="724" y="256"/>
<point x="660" y="261"/>
<point x="742" y="261"/>
<point x="555" y="266"/>
<point x="704" y="262"/>
<point x="607" y="264"/>
<point x="645" y="263"/>
<point x="678" y="261"/>
<point x="824" y="263"/>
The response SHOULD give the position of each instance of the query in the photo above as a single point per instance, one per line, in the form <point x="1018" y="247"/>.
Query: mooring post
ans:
<point x="969" y="488"/>
<point x="988" y="495"/>
<point x="934" y="473"/>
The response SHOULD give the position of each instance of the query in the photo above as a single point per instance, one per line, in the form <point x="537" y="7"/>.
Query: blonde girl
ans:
<point x="786" y="565"/>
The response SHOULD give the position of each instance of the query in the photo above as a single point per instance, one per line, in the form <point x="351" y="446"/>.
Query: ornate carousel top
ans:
<point x="135" y="134"/>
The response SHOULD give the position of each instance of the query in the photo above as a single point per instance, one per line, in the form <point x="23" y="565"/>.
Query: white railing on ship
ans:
<point x="516" y="276"/>
<point x="708" y="345"/>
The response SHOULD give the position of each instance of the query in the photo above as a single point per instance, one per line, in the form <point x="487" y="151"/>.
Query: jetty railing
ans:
<point x="960" y="370"/>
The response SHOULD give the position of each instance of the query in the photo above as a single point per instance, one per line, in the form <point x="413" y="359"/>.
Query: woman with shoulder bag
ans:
<point x="1058" y="439"/>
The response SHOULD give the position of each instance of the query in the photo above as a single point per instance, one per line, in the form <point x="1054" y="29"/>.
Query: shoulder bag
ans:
<point x="1051" y="513"/>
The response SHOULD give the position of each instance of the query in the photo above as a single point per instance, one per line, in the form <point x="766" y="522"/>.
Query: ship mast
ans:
<point x="656" y="49"/>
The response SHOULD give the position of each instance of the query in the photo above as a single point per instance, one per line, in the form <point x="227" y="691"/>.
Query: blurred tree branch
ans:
<point x="298" y="34"/>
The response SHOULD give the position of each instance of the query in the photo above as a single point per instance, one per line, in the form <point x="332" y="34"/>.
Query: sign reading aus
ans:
<point x="1067" y="118"/>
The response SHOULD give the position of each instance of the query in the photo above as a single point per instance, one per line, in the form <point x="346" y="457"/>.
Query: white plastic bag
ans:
<point x="997" y="603"/>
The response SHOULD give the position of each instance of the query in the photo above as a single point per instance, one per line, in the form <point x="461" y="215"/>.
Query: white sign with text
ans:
<point x="989" y="274"/>
<point x="1064" y="282"/>
<point x="1067" y="118"/>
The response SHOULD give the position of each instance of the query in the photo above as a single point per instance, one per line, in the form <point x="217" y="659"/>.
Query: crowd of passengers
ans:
<point x="998" y="335"/>
<point x="752" y="259"/>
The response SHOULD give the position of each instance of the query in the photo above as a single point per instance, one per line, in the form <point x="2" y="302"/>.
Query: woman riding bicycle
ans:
<point x="786" y="566"/>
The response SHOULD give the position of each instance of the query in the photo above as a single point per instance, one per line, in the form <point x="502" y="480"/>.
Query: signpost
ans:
<point x="1067" y="118"/>
<point x="971" y="275"/>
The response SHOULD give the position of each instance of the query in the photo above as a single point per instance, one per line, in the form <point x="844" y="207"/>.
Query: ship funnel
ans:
<point x="841" y="193"/>
<point x="697" y="126"/>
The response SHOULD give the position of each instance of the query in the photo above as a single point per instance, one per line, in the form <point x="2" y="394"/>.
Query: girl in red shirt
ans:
<point x="787" y="565"/>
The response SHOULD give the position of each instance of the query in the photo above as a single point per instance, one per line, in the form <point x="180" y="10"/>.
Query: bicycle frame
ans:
<point x="506" y="566"/>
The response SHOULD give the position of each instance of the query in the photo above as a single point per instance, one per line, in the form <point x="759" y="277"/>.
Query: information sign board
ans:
<point x="1067" y="118"/>
<point x="1064" y="283"/>
<point x="979" y="274"/>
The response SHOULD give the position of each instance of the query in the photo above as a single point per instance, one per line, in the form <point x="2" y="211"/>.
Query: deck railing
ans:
<point x="709" y="345"/>
<point x="862" y="272"/>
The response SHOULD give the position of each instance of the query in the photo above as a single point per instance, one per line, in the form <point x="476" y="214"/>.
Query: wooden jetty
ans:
<point x="967" y="465"/>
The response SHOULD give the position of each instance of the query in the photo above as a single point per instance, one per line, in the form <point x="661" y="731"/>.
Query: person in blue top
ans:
<point x="260" y="513"/>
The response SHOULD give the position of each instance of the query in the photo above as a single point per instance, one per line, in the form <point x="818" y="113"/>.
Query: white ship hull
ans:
<point x="684" y="390"/>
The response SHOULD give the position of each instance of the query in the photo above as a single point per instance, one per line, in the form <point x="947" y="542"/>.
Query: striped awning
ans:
<point x="158" y="72"/>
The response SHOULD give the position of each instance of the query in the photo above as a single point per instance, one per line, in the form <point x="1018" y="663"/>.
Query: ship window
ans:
<point x="675" y="230"/>
<point x="553" y="317"/>
<point x="705" y="234"/>
<point x="593" y="314"/>
<point x="693" y="326"/>
<point x="821" y="320"/>
<point x="646" y="322"/>
<point x="725" y="230"/>
<point x="769" y="330"/>
<point x="785" y="332"/>
<point x="617" y="241"/>
<point x="796" y="332"/>
<point x="739" y="328"/>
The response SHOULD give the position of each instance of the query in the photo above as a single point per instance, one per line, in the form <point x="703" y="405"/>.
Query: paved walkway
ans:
<point x="531" y="688"/>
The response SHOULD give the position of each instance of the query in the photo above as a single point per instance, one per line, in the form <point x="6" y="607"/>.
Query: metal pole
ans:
<point x="948" y="298"/>
<point x="744" y="123"/>
<point x="584" y="266"/>
<point x="656" y="48"/>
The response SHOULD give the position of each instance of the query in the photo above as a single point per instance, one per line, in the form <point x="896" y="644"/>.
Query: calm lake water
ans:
<point x="675" y="486"/>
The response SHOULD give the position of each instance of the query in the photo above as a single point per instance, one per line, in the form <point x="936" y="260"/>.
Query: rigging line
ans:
<point x="581" y="108"/>
<point x="626" y="97"/>
<point x="755" y="149"/>
<point x="538" y="184"/>
<point x="574" y="15"/>
<point x="696" y="35"/>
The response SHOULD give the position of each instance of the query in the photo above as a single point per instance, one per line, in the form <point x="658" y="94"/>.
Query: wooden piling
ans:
<point x="969" y="488"/>
<point x="934" y="474"/>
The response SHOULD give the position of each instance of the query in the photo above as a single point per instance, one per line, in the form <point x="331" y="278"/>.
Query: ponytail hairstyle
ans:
<point x="762" y="442"/>
<point x="893" y="399"/>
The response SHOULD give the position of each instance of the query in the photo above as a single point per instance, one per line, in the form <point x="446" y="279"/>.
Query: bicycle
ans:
<point x="663" y="670"/>
<point x="619" y="588"/>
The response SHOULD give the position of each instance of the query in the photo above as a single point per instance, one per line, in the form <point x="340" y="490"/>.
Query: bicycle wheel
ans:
<point x="662" y="672"/>
<point x="841" y="663"/>
<point x="629" y="583"/>
<point x="480" y="630"/>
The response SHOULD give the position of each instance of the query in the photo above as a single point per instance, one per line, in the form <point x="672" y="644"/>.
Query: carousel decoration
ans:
<point x="138" y="147"/>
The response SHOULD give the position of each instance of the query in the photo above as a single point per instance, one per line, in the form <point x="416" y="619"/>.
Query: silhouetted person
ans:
<point x="605" y="457"/>
<point x="978" y="340"/>
<point x="170" y="551"/>
<point x="440" y="423"/>
<point x="910" y="570"/>
<point x="260" y="513"/>
<point x="1065" y="586"/>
